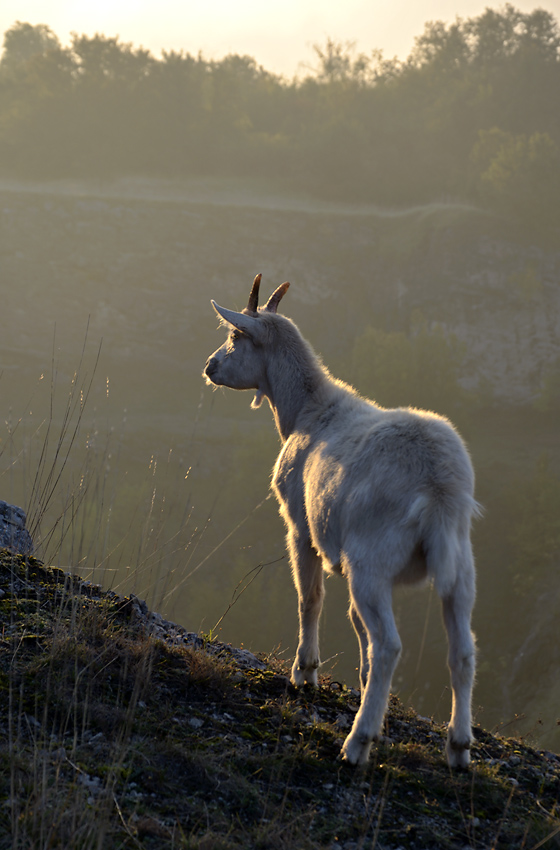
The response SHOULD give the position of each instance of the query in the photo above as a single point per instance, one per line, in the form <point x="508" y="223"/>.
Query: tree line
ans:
<point x="470" y="114"/>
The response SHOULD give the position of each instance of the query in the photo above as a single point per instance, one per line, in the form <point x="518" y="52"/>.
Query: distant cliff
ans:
<point x="139" y="258"/>
<point x="497" y="292"/>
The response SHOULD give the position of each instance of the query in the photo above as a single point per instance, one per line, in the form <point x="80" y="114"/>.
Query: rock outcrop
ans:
<point x="13" y="533"/>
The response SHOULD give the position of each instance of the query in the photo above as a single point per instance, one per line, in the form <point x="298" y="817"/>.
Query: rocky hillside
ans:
<point x="120" y="730"/>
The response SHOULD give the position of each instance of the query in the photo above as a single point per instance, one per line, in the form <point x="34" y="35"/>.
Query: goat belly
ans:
<point x="324" y="530"/>
<point x="323" y="483"/>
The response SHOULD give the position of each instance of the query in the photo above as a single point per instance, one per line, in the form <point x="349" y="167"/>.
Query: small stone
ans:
<point x="96" y="738"/>
<point x="142" y="605"/>
<point x="237" y="677"/>
<point x="246" y="659"/>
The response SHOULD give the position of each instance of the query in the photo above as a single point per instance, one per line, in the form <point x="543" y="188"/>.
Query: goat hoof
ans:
<point x="356" y="750"/>
<point x="458" y="754"/>
<point x="305" y="675"/>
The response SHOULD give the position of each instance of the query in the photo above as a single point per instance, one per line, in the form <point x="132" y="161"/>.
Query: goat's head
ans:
<point x="240" y="363"/>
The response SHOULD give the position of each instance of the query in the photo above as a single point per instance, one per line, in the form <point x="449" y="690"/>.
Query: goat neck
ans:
<point x="295" y="379"/>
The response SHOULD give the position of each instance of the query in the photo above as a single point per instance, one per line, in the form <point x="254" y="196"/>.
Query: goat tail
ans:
<point x="445" y="537"/>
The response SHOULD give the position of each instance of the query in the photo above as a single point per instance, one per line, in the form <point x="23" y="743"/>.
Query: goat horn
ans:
<point x="276" y="297"/>
<point x="254" y="296"/>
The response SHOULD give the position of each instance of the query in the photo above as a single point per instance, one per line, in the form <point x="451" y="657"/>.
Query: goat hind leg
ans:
<point x="308" y="578"/>
<point x="457" y="609"/>
<point x="384" y="647"/>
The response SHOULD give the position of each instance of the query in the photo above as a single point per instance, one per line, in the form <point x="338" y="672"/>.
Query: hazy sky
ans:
<point x="279" y="35"/>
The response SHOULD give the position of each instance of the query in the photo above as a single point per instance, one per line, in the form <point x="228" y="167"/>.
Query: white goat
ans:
<point x="380" y="496"/>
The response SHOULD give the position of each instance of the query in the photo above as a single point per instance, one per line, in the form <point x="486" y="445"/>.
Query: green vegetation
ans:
<point x="115" y="734"/>
<point x="467" y="115"/>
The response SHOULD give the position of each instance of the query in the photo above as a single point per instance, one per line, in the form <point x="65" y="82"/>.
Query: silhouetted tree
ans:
<point x="469" y="114"/>
<point x="24" y="41"/>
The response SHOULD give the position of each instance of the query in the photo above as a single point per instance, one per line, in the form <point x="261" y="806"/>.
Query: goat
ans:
<point x="379" y="496"/>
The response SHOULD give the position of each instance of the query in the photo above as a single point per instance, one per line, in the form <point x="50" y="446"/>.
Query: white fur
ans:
<point x="380" y="496"/>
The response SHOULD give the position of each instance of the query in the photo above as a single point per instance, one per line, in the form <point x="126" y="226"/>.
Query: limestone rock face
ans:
<point x="13" y="533"/>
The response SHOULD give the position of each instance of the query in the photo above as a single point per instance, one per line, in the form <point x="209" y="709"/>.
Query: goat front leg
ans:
<point x="308" y="578"/>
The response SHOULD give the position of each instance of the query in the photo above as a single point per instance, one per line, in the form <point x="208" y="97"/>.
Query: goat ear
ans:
<point x="244" y="323"/>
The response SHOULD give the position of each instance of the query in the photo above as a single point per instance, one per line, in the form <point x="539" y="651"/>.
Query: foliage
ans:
<point x="22" y="42"/>
<point x="467" y="114"/>
<point x="519" y="174"/>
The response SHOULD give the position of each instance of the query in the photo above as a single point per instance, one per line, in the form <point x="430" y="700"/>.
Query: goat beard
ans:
<point x="258" y="400"/>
